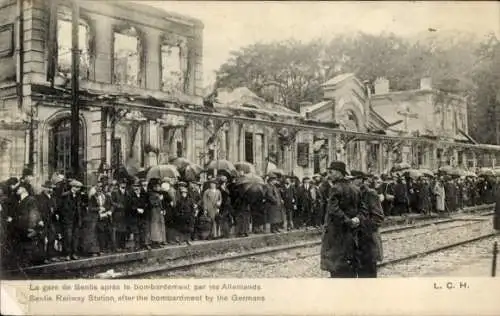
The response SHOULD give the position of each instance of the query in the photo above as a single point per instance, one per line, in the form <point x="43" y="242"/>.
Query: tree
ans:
<point x="289" y="68"/>
<point x="485" y="114"/>
<point x="294" y="70"/>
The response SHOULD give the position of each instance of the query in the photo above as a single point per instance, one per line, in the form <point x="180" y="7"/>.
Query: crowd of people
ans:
<point x="68" y="220"/>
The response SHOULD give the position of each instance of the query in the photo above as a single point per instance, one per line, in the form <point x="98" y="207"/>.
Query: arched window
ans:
<point x="174" y="63"/>
<point x="60" y="147"/>
<point x="127" y="56"/>
<point x="64" y="43"/>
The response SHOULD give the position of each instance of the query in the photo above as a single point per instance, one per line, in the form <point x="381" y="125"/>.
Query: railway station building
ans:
<point x="141" y="103"/>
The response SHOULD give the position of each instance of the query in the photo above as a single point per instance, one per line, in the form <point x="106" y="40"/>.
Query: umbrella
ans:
<point x="245" y="167"/>
<point x="276" y="173"/>
<point x="179" y="162"/>
<point x="413" y="173"/>
<point x="447" y="170"/>
<point x="221" y="164"/>
<point x="470" y="174"/>
<point x="162" y="171"/>
<point x="400" y="166"/>
<point x="251" y="187"/>
<point x="192" y="172"/>
<point x="486" y="172"/>
<point x="427" y="172"/>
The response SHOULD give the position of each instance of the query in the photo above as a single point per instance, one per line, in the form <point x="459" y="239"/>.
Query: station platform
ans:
<point x="197" y="249"/>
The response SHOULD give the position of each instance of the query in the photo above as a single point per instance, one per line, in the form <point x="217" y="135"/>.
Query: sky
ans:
<point x="230" y="25"/>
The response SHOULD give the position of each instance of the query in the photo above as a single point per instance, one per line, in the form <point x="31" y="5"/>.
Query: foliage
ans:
<point x="486" y="92"/>
<point x="291" y="72"/>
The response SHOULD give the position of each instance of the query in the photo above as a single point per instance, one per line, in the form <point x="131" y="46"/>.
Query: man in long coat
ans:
<point x="289" y="194"/>
<point x="119" y="200"/>
<point x="306" y="196"/>
<point x="496" y="217"/>
<point x="29" y="236"/>
<point x="138" y="214"/>
<point x="70" y="210"/>
<point x="370" y="241"/>
<point x="47" y="206"/>
<point x="345" y="215"/>
<point x="184" y="219"/>
<point x="400" y="198"/>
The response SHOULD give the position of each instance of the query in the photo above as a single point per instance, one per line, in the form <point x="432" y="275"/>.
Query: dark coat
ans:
<point x="70" y="210"/>
<point x="496" y="217"/>
<point x="400" y="194"/>
<point x="370" y="239"/>
<point x="133" y="216"/>
<point x="90" y="243"/>
<point x="306" y="202"/>
<point x="28" y="233"/>
<point x="119" y="202"/>
<point x="274" y="205"/>
<point x="28" y="217"/>
<point x="226" y="208"/>
<point x="49" y="212"/>
<point x="338" y="247"/>
<point x="184" y="219"/>
<point x="289" y="196"/>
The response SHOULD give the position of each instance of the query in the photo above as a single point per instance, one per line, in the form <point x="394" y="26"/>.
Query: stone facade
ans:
<point x="425" y="112"/>
<point x="103" y="19"/>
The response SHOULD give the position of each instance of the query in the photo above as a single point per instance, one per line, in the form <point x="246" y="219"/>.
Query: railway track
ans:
<point x="252" y="256"/>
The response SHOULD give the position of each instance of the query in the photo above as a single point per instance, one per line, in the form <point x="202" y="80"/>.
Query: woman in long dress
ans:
<point x="212" y="200"/>
<point x="439" y="192"/>
<point x="157" y="218"/>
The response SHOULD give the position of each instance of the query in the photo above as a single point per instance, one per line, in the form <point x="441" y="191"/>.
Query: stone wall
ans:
<point x="8" y="15"/>
<point x="102" y="18"/>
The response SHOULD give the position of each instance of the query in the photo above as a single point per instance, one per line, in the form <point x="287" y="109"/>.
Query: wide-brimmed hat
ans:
<point x="48" y="185"/>
<point x="339" y="166"/>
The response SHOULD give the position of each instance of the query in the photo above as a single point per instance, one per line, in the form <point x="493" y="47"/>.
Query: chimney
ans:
<point x="381" y="86"/>
<point x="426" y="83"/>
<point x="302" y="107"/>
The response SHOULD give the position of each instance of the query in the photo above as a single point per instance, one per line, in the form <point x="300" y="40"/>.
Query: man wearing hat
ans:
<point x="27" y="180"/>
<point x="345" y="214"/>
<point x="370" y="241"/>
<point x="29" y="232"/>
<point x="71" y="218"/>
<point x="308" y="203"/>
<point x="48" y="208"/>
<point x="289" y="194"/>
<point x="184" y="214"/>
<point x="119" y="201"/>
<point x="138" y="216"/>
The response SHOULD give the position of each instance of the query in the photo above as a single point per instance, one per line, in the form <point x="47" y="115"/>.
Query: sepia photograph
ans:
<point x="246" y="140"/>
